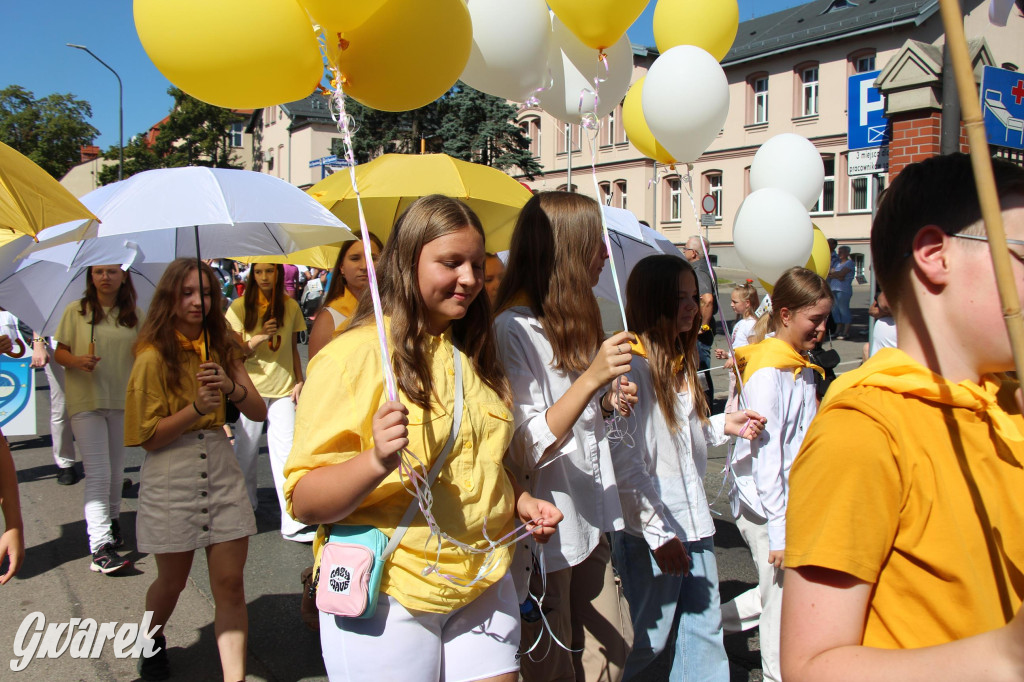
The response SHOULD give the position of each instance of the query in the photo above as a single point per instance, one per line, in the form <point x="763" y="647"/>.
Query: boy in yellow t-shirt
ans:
<point x="906" y="503"/>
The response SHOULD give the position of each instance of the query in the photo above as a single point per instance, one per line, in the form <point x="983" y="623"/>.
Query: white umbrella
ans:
<point x="174" y="212"/>
<point x="631" y="242"/>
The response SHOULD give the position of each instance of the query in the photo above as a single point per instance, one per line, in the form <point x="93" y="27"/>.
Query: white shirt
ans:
<point x="883" y="335"/>
<point x="741" y="331"/>
<point x="760" y="468"/>
<point x="661" y="474"/>
<point x="578" y="477"/>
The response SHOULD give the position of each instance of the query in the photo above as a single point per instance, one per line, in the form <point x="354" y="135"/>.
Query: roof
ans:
<point x="822" y="21"/>
<point x="312" y="109"/>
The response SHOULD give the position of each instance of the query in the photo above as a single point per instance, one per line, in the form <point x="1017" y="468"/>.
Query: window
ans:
<point x="270" y="160"/>
<point x="760" y="108"/>
<point x="237" y="134"/>
<point x="865" y="64"/>
<point x="809" y="91"/>
<point x="860" y="192"/>
<point x="609" y="129"/>
<point x="675" y="199"/>
<point x="620" y="190"/>
<point x="280" y="155"/>
<point x="606" y="193"/>
<point x="531" y="129"/>
<point x="567" y="137"/>
<point x="827" y="201"/>
<point x="713" y="186"/>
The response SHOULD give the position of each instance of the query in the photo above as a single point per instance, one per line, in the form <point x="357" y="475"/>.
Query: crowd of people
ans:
<point x="881" y="519"/>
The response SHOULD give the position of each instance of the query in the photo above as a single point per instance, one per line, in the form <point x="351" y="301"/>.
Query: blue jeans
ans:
<point x="704" y="354"/>
<point x="659" y="602"/>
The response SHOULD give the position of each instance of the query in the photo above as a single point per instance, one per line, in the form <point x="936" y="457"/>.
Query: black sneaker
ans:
<point x="115" y="533"/>
<point x="67" y="476"/>
<point x="155" y="667"/>
<point x="106" y="560"/>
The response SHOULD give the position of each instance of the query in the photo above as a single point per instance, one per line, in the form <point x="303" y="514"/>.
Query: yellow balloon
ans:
<point x="707" y="24"/>
<point x="636" y="126"/>
<point x="598" y="23"/>
<point x="767" y="287"/>
<point x="341" y="15"/>
<point x="261" y="52"/>
<point x="406" y="55"/>
<point x="821" y="256"/>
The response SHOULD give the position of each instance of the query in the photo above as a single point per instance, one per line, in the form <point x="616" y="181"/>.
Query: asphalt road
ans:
<point x="55" y="578"/>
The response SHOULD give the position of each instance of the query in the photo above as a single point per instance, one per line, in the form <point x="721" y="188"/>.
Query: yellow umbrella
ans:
<point x="391" y="182"/>
<point x="30" y="199"/>
<point x="322" y="257"/>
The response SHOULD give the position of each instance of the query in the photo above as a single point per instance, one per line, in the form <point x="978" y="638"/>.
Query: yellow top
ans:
<point x="344" y="390"/>
<point x="149" y="399"/>
<point x="272" y="371"/>
<point x="903" y="483"/>
<point x="103" y="388"/>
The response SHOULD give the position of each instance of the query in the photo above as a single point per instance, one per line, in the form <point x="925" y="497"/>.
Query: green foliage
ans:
<point x="465" y="124"/>
<point x="50" y="130"/>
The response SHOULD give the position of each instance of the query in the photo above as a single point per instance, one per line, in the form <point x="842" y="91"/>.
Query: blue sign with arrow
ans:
<point x="1002" y="99"/>
<point x="867" y="125"/>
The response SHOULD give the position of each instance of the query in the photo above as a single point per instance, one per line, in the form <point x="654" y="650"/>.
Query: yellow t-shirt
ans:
<point x="103" y="388"/>
<point x="149" y="399"/>
<point x="334" y="418"/>
<point x="879" y="492"/>
<point x="272" y="371"/>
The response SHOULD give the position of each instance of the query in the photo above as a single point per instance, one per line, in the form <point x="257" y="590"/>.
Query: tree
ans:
<point x="194" y="134"/>
<point x="465" y="123"/>
<point x="51" y="131"/>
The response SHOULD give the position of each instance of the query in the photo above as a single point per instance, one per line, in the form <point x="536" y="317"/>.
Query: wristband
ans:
<point x="233" y="387"/>
<point x="605" y="413"/>
<point x="245" y="394"/>
<point x="201" y="414"/>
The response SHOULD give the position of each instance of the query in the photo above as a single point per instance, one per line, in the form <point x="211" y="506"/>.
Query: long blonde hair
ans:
<point x="557" y="236"/>
<point x="427" y="219"/>
<point x="797" y="288"/>
<point x="652" y="304"/>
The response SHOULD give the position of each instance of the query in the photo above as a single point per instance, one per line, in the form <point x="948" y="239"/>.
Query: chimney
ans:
<point x="90" y="153"/>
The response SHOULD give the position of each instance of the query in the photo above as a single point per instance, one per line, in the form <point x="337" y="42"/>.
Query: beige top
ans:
<point x="272" y="371"/>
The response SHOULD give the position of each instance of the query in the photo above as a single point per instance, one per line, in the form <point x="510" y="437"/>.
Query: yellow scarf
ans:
<point x="520" y="299"/>
<point x="262" y="304"/>
<point x="345" y="304"/>
<point x="775" y="353"/>
<point x="188" y="344"/>
<point x="678" y="364"/>
<point x="893" y="370"/>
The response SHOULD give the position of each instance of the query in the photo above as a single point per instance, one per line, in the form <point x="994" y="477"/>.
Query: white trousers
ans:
<point x="60" y="425"/>
<point x="100" y="437"/>
<point x="280" y="432"/>
<point x="769" y="583"/>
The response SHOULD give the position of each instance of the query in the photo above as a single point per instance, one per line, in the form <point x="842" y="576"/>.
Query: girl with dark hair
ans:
<point x="268" y="322"/>
<point x="191" y="494"/>
<point x="348" y="282"/>
<point x="666" y="554"/>
<point x="446" y="617"/>
<point x="102" y="325"/>
<point x="550" y="337"/>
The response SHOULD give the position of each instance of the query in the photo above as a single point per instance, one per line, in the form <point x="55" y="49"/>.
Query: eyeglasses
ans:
<point x="984" y="238"/>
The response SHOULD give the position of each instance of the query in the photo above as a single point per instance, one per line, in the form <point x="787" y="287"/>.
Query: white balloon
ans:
<point x="574" y="66"/>
<point x="772" y="233"/>
<point x="510" y="47"/>
<point x="685" y="101"/>
<point x="789" y="162"/>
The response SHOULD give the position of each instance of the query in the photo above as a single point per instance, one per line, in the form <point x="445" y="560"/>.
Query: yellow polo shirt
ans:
<point x="272" y="371"/>
<point x="334" y="423"/>
<point x="879" y="491"/>
<point x="103" y="388"/>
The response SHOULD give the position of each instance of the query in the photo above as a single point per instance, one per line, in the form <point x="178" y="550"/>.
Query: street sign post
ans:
<point x="867" y="125"/>
<point x="1002" y="96"/>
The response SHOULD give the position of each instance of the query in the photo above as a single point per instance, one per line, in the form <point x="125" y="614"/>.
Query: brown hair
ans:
<point x="938" y="191"/>
<point x="251" y="296"/>
<point x="427" y="219"/>
<point x="127" y="315"/>
<point x="337" y="288"/>
<point x="749" y="292"/>
<point x="797" y="288"/>
<point x="556" y="237"/>
<point x="158" y="329"/>
<point x="652" y="304"/>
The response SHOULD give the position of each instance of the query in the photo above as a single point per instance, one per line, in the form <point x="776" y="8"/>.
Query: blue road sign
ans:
<point x="1002" y="97"/>
<point x="866" y="125"/>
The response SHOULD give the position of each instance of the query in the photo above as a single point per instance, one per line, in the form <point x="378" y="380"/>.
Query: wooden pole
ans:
<point x="981" y="161"/>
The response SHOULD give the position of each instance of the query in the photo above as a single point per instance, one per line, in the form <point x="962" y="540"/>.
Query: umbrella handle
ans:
<point x="92" y="348"/>
<point x="274" y="342"/>
<point x="18" y="343"/>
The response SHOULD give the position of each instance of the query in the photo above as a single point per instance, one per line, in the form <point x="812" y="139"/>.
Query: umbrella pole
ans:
<point x="991" y="212"/>
<point x="202" y="299"/>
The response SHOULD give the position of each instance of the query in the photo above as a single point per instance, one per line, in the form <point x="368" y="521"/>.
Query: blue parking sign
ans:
<point x="1002" y="99"/>
<point x="867" y="125"/>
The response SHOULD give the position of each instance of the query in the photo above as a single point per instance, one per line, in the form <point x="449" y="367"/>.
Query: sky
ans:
<point x="34" y="55"/>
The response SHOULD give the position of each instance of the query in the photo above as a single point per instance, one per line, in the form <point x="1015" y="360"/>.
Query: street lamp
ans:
<point x="120" y="109"/>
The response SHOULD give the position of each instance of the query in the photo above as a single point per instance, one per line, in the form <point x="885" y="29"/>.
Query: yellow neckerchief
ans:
<point x="262" y="304"/>
<point x="772" y="352"/>
<point x="345" y="304"/>
<point x="519" y="299"/>
<point x="893" y="370"/>
<point x="188" y="344"/>
<point x="678" y="364"/>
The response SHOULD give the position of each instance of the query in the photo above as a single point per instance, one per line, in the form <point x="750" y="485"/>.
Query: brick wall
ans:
<point x="915" y="137"/>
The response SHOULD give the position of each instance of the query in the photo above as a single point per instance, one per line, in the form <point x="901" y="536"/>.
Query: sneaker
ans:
<point x="106" y="560"/>
<point x="155" y="667"/>
<point x="115" y="533"/>
<point x="67" y="476"/>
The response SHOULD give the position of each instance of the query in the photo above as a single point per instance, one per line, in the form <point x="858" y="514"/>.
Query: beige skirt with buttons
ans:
<point x="192" y="494"/>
